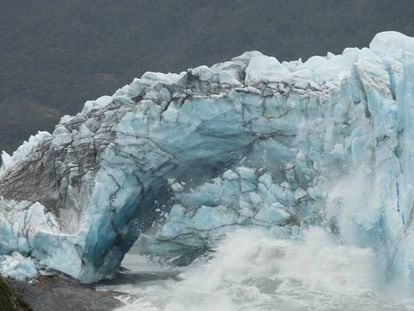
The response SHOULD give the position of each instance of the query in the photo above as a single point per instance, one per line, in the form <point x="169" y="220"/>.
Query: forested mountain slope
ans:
<point x="56" y="54"/>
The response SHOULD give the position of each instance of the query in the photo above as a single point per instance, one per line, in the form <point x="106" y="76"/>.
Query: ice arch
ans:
<point x="251" y="141"/>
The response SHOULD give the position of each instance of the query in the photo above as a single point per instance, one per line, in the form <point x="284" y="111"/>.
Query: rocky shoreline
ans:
<point x="50" y="293"/>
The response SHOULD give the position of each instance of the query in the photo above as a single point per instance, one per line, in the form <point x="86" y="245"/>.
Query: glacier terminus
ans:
<point x="180" y="160"/>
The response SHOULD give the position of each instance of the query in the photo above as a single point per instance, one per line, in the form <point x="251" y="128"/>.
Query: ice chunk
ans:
<point x="266" y="69"/>
<point x="17" y="267"/>
<point x="98" y="103"/>
<point x="390" y="44"/>
<point x="8" y="161"/>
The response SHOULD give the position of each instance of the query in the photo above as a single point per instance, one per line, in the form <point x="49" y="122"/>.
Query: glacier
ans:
<point x="179" y="160"/>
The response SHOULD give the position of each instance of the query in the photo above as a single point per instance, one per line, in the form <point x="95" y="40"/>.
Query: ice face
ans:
<point x="200" y="217"/>
<point x="249" y="142"/>
<point x="8" y="161"/>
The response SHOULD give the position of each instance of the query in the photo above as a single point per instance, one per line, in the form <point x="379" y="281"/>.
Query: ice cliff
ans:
<point x="249" y="142"/>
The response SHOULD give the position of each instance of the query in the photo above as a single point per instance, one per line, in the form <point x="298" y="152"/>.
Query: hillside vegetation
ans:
<point x="9" y="299"/>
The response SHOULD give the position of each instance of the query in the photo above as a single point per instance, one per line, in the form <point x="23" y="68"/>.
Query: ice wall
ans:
<point x="248" y="142"/>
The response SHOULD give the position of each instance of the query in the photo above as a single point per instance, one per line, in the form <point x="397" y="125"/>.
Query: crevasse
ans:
<point x="249" y="142"/>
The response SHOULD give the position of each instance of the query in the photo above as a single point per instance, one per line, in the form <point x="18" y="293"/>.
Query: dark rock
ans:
<point x="58" y="294"/>
<point x="10" y="300"/>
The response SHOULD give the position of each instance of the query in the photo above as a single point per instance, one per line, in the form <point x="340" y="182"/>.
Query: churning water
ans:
<point x="252" y="271"/>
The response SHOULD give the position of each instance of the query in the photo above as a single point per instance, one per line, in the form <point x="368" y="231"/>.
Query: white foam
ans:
<point x="253" y="271"/>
